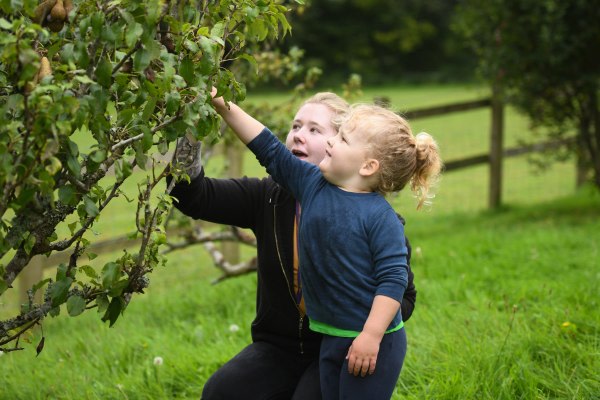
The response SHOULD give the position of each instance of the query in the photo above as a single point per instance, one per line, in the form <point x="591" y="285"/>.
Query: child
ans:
<point x="354" y="270"/>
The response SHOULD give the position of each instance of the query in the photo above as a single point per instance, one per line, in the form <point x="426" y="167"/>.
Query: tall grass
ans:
<point x="507" y="300"/>
<point x="507" y="308"/>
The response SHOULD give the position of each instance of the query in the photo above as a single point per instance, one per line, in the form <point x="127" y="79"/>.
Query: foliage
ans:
<point x="88" y="93"/>
<point x="382" y="40"/>
<point x="543" y="56"/>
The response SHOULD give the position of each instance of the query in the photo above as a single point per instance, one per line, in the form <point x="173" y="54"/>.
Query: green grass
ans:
<point x="507" y="308"/>
<point x="507" y="300"/>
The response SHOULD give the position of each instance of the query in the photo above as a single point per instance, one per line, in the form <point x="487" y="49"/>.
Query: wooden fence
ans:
<point x="34" y="271"/>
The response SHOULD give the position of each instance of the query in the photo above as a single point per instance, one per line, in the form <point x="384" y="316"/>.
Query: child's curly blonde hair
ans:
<point x="402" y="157"/>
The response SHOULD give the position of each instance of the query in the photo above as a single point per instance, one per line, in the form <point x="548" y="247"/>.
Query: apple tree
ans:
<point x="90" y="91"/>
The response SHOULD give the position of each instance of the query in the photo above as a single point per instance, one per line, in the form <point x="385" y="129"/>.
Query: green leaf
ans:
<point x="153" y="47"/>
<point x="191" y="45"/>
<point x="104" y="73"/>
<point x="115" y="308"/>
<point x="147" y="140"/>
<point x="75" y="305"/>
<point x="53" y="166"/>
<point x="141" y="158"/>
<point x="149" y="109"/>
<point x="163" y="147"/>
<point x="186" y="70"/>
<point x="81" y="55"/>
<point x="122" y="169"/>
<point x="111" y="111"/>
<point x="54" y="311"/>
<point x="74" y="166"/>
<point x="97" y="23"/>
<point x="4" y="24"/>
<point x="59" y="291"/>
<point x="98" y="156"/>
<point x="141" y="60"/>
<point x="159" y="238"/>
<point x="134" y="31"/>
<point x="218" y="30"/>
<point x="173" y="100"/>
<point x="118" y="287"/>
<point x="89" y="271"/>
<point x="61" y="272"/>
<point x="29" y="243"/>
<point x="38" y="285"/>
<point x="203" y="31"/>
<point x="285" y="25"/>
<point x="102" y="303"/>
<point x="83" y="79"/>
<point x="72" y="226"/>
<point x="91" y="209"/>
<point x="110" y="274"/>
<point x="3" y="285"/>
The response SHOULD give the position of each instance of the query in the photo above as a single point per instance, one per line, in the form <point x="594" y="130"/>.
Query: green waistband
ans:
<point x="333" y="331"/>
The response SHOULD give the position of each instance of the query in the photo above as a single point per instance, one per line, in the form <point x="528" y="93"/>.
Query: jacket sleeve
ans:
<point x="236" y="202"/>
<point x="410" y="294"/>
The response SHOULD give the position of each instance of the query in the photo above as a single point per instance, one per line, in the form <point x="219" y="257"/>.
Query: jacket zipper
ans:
<point x="290" y="289"/>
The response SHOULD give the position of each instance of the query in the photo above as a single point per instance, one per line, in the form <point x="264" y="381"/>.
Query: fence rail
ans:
<point x="495" y="156"/>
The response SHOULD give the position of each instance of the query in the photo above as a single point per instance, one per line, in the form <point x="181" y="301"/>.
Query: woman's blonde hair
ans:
<point x="403" y="158"/>
<point x="335" y="103"/>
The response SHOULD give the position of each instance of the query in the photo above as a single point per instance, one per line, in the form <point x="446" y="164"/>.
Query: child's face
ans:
<point x="345" y="155"/>
<point x="311" y="128"/>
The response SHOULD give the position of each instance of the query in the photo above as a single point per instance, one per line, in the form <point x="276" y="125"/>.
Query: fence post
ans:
<point x="496" y="144"/>
<point x="31" y="275"/>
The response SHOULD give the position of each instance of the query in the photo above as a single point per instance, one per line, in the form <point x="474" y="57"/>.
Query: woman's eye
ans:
<point x="314" y="130"/>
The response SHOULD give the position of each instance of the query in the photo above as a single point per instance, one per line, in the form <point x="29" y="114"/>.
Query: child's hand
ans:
<point x="362" y="355"/>
<point x="218" y="102"/>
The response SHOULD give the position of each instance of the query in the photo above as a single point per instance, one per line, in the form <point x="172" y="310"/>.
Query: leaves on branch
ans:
<point x="87" y="93"/>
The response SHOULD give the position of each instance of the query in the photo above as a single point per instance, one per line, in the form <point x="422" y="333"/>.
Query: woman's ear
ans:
<point x="369" y="167"/>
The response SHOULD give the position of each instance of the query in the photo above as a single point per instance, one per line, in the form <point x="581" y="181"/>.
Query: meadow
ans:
<point x="506" y="308"/>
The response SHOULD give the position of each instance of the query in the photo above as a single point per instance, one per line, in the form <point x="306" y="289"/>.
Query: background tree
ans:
<point x="91" y="87"/>
<point x="543" y="56"/>
<point x="382" y="40"/>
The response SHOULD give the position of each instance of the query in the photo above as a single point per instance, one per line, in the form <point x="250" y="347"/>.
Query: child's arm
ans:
<point x="244" y="126"/>
<point x="362" y="355"/>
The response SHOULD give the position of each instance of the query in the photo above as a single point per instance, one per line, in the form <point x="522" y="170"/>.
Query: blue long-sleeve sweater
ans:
<point x="351" y="245"/>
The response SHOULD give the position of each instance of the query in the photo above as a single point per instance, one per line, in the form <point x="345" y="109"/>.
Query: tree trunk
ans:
<point x="589" y="133"/>
<point x="596" y="135"/>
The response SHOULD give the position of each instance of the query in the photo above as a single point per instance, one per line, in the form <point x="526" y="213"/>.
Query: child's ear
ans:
<point x="369" y="167"/>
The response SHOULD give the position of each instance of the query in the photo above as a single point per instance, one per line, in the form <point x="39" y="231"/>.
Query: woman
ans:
<point x="282" y="361"/>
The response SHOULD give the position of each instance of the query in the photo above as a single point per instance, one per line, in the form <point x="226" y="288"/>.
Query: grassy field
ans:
<point x="507" y="300"/>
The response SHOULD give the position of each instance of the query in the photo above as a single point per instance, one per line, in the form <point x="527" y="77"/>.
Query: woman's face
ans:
<point x="311" y="128"/>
